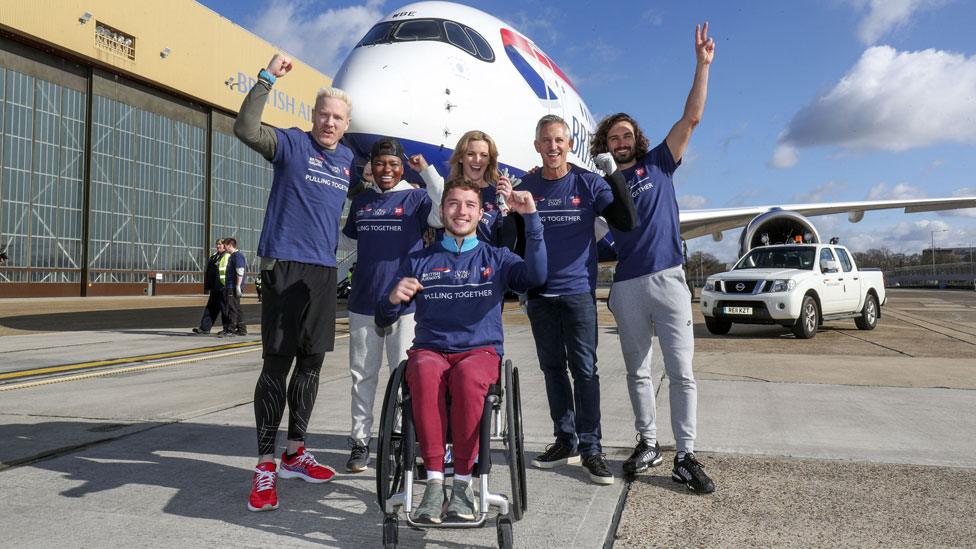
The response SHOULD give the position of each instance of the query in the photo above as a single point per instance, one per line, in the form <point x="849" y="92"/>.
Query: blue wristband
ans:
<point x="267" y="76"/>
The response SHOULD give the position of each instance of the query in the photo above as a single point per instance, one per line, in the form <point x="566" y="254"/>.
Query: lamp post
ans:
<point x="933" y="252"/>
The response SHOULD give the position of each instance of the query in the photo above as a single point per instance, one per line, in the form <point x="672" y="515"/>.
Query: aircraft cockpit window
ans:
<point x="484" y="49"/>
<point x="457" y="36"/>
<point x="377" y="35"/>
<point x="418" y="29"/>
<point x="440" y="30"/>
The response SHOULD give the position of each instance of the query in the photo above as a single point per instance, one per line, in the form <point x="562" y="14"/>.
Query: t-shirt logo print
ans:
<point x="398" y="211"/>
<point x="575" y="200"/>
<point x="641" y="172"/>
<point x="486" y="271"/>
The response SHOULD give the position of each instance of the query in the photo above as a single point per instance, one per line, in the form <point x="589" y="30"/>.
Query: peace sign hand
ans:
<point x="704" y="46"/>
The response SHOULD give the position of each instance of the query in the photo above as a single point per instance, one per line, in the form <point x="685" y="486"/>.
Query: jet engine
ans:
<point x="777" y="227"/>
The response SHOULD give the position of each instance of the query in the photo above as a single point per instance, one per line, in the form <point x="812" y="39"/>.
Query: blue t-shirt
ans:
<point x="234" y="262"/>
<point x="459" y="308"/>
<point x="655" y="242"/>
<point x="387" y="227"/>
<point x="301" y="222"/>
<point x="567" y="207"/>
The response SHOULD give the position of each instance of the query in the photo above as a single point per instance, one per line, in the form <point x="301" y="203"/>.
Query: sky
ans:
<point x="808" y="100"/>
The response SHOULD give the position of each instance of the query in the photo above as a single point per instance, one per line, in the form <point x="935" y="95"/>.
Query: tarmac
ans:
<point x="119" y="429"/>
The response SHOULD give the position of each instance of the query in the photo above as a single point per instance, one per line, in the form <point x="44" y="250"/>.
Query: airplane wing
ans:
<point x="695" y="223"/>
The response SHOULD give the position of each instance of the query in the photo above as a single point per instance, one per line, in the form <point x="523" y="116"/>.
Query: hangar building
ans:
<point x="118" y="163"/>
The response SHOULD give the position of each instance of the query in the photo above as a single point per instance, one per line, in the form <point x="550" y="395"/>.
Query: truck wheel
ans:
<point x="716" y="326"/>
<point x="806" y="326"/>
<point x="869" y="314"/>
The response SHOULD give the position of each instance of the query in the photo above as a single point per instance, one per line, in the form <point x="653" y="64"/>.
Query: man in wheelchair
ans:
<point x="459" y="284"/>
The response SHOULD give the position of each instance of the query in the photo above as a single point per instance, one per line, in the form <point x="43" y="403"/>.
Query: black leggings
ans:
<point x="270" y="397"/>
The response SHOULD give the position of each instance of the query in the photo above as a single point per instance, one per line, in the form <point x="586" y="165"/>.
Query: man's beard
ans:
<point x="629" y="156"/>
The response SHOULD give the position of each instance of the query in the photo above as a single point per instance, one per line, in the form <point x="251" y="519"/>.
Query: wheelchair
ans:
<point x="398" y="461"/>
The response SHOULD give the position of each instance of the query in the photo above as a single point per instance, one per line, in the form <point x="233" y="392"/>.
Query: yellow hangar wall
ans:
<point x="178" y="45"/>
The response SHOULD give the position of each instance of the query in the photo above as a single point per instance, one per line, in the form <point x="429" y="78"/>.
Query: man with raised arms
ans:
<point x="298" y="269"/>
<point x="562" y="312"/>
<point x="649" y="294"/>
<point x="458" y="285"/>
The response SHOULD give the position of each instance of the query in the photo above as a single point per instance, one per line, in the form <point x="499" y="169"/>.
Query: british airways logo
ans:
<point x="313" y="161"/>
<point x="398" y="211"/>
<point x="486" y="271"/>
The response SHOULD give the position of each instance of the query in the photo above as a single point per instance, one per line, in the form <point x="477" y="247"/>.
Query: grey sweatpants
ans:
<point x="658" y="304"/>
<point x="367" y="343"/>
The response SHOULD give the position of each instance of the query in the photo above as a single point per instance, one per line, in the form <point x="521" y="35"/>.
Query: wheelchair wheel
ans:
<point x="389" y="451"/>
<point x="520" y="441"/>
<point x="390" y="532"/>
<point x="513" y="443"/>
<point x="505" y="536"/>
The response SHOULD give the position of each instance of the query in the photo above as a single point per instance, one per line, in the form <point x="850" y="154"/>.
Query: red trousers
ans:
<point x="467" y="375"/>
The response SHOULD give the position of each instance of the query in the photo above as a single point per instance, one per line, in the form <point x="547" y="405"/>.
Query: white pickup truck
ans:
<point x="795" y="285"/>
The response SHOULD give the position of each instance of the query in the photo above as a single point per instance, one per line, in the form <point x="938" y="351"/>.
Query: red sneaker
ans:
<point x="304" y="466"/>
<point x="264" y="496"/>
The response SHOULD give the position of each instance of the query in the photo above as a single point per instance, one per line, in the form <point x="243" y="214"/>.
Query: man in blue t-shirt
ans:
<point x="387" y="222"/>
<point x="649" y="294"/>
<point x="233" y="289"/>
<point x="562" y="312"/>
<point x="458" y="284"/>
<point x="298" y="269"/>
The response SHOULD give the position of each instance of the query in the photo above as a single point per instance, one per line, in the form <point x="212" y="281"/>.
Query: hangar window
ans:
<point x="440" y="30"/>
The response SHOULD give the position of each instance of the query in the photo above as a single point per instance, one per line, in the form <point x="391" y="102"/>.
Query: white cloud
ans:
<point x="320" y="39"/>
<point x="692" y="202"/>
<point x="828" y="191"/>
<point x="889" y="100"/>
<point x="785" y="156"/>
<point x="901" y="191"/>
<point x="886" y="15"/>
<point x="969" y="212"/>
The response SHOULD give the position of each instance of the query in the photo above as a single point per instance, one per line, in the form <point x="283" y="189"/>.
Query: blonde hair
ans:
<point x="491" y="171"/>
<point x="334" y="93"/>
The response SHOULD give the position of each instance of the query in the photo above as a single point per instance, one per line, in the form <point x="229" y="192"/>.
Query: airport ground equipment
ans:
<point x="798" y="286"/>
<point x="398" y="464"/>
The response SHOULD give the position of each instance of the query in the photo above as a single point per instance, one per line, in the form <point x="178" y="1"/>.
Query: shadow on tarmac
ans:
<point x="121" y="319"/>
<point x="190" y="459"/>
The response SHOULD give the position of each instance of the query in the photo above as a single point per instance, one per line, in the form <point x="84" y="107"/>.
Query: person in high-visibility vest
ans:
<point x="213" y="283"/>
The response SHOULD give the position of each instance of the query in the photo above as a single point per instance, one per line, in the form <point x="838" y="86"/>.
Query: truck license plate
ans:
<point x="737" y="310"/>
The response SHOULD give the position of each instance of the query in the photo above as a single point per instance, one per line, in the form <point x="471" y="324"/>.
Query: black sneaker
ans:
<point x="644" y="456"/>
<point x="358" y="457"/>
<point x="596" y="464"/>
<point x="225" y="333"/>
<point x="555" y="455"/>
<point x="199" y="331"/>
<point x="241" y="332"/>
<point x="691" y="473"/>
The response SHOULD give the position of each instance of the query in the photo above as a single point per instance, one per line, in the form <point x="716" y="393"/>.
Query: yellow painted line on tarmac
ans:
<point x="249" y="348"/>
<point x="124" y="360"/>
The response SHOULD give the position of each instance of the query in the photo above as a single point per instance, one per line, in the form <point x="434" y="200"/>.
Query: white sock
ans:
<point x="435" y="475"/>
<point x="681" y="455"/>
<point x="463" y="478"/>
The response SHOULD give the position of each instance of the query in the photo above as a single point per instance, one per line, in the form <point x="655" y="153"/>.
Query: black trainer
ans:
<point x="201" y="331"/>
<point x="689" y="471"/>
<point x="596" y="464"/>
<point x="358" y="457"/>
<point x="555" y="455"/>
<point x="644" y="456"/>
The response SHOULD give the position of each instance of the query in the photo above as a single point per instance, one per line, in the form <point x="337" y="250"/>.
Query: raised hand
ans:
<point x="605" y="162"/>
<point x="279" y="65"/>
<point x="704" y="46"/>
<point x="418" y="162"/>
<point x="405" y="290"/>
<point x="521" y="202"/>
